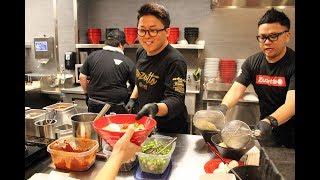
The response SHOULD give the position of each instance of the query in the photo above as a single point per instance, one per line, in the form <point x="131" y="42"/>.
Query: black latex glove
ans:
<point x="148" y="109"/>
<point x="131" y="103"/>
<point x="223" y="108"/>
<point x="265" y="129"/>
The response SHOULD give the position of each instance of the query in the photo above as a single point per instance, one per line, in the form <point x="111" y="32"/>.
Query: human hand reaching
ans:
<point x="124" y="148"/>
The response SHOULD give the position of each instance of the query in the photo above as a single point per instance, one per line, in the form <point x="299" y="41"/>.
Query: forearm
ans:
<point x="84" y="83"/>
<point x="110" y="169"/>
<point x="233" y="95"/>
<point x="283" y="113"/>
<point x="162" y="109"/>
<point x="287" y="110"/>
<point x="134" y="93"/>
<point x="171" y="106"/>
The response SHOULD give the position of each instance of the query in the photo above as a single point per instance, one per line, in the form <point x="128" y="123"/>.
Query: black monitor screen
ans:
<point x="41" y="46"/>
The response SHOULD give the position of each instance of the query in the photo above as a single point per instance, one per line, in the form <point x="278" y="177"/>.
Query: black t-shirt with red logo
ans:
<point x="271" y="81"/>
<point x="162" y="79"/>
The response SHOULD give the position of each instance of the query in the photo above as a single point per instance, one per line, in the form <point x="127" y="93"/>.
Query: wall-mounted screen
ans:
<point x="41" y="45"/>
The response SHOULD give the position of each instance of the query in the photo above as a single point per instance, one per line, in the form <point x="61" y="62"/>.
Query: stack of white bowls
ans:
<point x="211" y="68"/>
<point x="239" y="64"/>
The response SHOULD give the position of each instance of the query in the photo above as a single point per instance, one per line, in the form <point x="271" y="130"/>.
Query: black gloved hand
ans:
<point x="265" y="129"/>
<point x="131" y="103"/>
<point x="223" y="108"/>
<point x="148" y="109"/>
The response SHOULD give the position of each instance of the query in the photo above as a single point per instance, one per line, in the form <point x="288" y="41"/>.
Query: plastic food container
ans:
<point x="75" y="154"/>
<point x="111" y="137"/>
<point x="155" y="164"/>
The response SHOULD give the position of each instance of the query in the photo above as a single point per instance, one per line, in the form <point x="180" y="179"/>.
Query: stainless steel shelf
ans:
<point x="224" y="87"/>
<point x="178" y="46"/>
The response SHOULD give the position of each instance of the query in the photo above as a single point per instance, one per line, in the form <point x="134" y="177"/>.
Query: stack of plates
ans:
<point x="239" y="64"/>
<point x="211" y="68"/>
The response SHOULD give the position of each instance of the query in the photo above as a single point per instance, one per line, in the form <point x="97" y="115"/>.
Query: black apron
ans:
<point x="95" y="106"/>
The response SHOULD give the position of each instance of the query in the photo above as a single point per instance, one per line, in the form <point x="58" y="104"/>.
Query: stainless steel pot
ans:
<point x="63" y="130"/>
<point x="82" y="126"/>
<point x="46" y="128"/>
<point x="33" y="115"/>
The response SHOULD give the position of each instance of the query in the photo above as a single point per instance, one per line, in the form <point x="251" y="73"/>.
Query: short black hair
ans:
<point x="274" y="16"/>
<point x="115" y="38"/>
<point x="156" y="10"/>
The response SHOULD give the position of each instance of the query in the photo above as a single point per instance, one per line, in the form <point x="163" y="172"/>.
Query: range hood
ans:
<point x="250" y="3"/>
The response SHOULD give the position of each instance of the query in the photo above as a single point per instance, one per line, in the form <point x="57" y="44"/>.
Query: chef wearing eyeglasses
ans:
<point x="272" y="74"/>
<point x="160" y="74"/>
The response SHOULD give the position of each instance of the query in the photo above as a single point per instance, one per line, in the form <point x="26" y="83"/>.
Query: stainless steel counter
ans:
<point x="188" y="159"/>
<point x="74" y="90"/>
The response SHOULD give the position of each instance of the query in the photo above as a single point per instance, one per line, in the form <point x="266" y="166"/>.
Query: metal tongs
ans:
<point x="154" y="150"/>
<point x="173" y="140"/>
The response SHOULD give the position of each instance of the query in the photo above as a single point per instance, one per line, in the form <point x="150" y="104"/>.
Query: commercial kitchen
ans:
<point x="57" y="44"/>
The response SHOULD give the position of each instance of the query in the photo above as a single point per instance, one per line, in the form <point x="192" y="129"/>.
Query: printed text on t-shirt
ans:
<point x="271" y="80"/>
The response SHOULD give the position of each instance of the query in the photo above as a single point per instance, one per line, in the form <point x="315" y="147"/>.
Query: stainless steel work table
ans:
<point x="188" y="159"/>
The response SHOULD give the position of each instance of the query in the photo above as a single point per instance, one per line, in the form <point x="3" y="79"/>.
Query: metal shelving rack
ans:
<point x="178" y="46"/>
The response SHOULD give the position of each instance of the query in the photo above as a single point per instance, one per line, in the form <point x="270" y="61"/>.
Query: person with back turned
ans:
<point x="105" y="73"/>
<point x="272" y="74"/>
<point x="161" y="73"/>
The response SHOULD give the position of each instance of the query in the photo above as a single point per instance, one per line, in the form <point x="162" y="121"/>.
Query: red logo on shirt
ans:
<point x="271" y="80"/>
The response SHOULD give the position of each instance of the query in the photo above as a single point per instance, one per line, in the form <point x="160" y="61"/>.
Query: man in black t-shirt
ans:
<point x="161" y="73"/>
<point x="272" y="74"/>
<point x="105" y="73"/>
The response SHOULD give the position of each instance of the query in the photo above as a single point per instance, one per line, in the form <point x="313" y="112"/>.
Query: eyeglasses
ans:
<point x="151" y="32"/>
<point x="272" y="37"/>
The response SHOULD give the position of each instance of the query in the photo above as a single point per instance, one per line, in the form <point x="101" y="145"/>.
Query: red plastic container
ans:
<point x="112" y="137"/>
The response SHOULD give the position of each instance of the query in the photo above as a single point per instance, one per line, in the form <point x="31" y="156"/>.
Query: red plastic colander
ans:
<point x="112" y="137"/>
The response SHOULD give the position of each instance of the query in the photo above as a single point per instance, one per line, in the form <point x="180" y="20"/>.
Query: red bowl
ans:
<point x="131" y="39"/>
<point x="213" y="164"/>
<point x="94" y="30"/>
<point x="111" y="137"/>
<point x="227" y="59"/>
